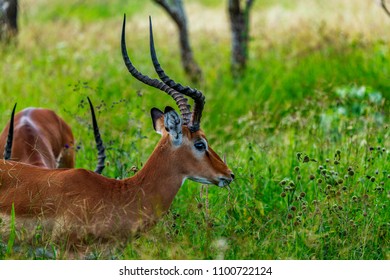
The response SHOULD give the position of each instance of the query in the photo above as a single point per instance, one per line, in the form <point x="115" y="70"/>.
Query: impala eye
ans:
<point x="200" y="146"/>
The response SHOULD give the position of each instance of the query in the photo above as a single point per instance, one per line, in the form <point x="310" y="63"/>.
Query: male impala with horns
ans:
<point x="82" y="203"/>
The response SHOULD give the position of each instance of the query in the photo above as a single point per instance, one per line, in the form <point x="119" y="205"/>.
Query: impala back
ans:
<point x="41" y="138"/>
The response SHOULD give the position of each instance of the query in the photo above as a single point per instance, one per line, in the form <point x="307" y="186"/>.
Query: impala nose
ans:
<point x="224" y="181"/>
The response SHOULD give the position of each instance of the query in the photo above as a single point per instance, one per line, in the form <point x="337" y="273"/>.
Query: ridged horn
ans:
<point x="196" y="95"/>
<point x="179" y="98"/>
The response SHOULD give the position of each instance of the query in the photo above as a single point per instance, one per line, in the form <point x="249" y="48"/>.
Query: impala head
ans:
<point x="186" y="142"/>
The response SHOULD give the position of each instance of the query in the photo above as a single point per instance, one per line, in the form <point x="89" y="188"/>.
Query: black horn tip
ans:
<point x="150" y="25"/>
<point x="151" y="42"/>
<point x="123" y="27"/>
<point x="94" y="122"/>
<point x="8" y="145"/>
<point x="91" y="106"/>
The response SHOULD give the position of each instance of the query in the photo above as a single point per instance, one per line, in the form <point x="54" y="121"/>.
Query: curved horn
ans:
<point x="196" y="95"/>
<point x="99" y="143"/>
<point x="179" y="98"/>
<point x="8" y="145"/>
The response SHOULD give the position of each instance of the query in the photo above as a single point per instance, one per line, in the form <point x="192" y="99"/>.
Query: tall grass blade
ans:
<point x="11" y="239"/>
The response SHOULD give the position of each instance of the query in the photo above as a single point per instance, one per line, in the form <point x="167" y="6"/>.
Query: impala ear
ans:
<point x="173" y="123"/>
<point x="158" y="120"/>
<point x="168" y="109"/>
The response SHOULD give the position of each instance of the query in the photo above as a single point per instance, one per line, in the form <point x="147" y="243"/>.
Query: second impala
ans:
<point x="82" y="203"/>
<point x="44" y="139"/>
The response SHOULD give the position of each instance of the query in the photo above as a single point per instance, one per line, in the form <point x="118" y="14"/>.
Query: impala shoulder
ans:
<point x="80" y="173"/>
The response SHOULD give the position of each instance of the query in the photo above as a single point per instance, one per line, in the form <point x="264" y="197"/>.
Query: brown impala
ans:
<point x="40" y="137"/>
<point x="81" y="202"/>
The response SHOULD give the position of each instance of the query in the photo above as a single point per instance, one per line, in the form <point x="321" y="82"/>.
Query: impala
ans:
<point x="40" y="137"/>
<point x="82" y="203"/>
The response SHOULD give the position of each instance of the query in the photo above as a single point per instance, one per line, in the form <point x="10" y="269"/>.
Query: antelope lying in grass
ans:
<point x="82" y="203"/>
<point x="40" y="137"/>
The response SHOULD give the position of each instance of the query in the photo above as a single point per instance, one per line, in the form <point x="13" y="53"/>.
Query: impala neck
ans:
<point x="160" y="179"/>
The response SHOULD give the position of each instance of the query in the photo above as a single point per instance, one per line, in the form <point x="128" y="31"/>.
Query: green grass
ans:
<point x="11" y="238"/>
<point x="305" y="130"/>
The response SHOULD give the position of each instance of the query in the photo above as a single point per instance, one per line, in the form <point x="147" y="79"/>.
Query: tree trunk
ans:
<point x="383" y="4"/>
<point x="239" y="24"/>
<point x="176" y="10"/>
<point x="8" y="19"/>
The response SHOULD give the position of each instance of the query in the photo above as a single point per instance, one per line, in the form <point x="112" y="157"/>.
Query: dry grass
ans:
<point x="277" y="21"/>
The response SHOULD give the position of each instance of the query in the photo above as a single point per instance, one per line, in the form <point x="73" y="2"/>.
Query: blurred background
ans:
<point x="287" y="83"/>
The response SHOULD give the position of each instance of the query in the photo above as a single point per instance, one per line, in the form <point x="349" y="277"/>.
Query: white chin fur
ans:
<point x="200" y="180"/>
<point x="222" y="183"/>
